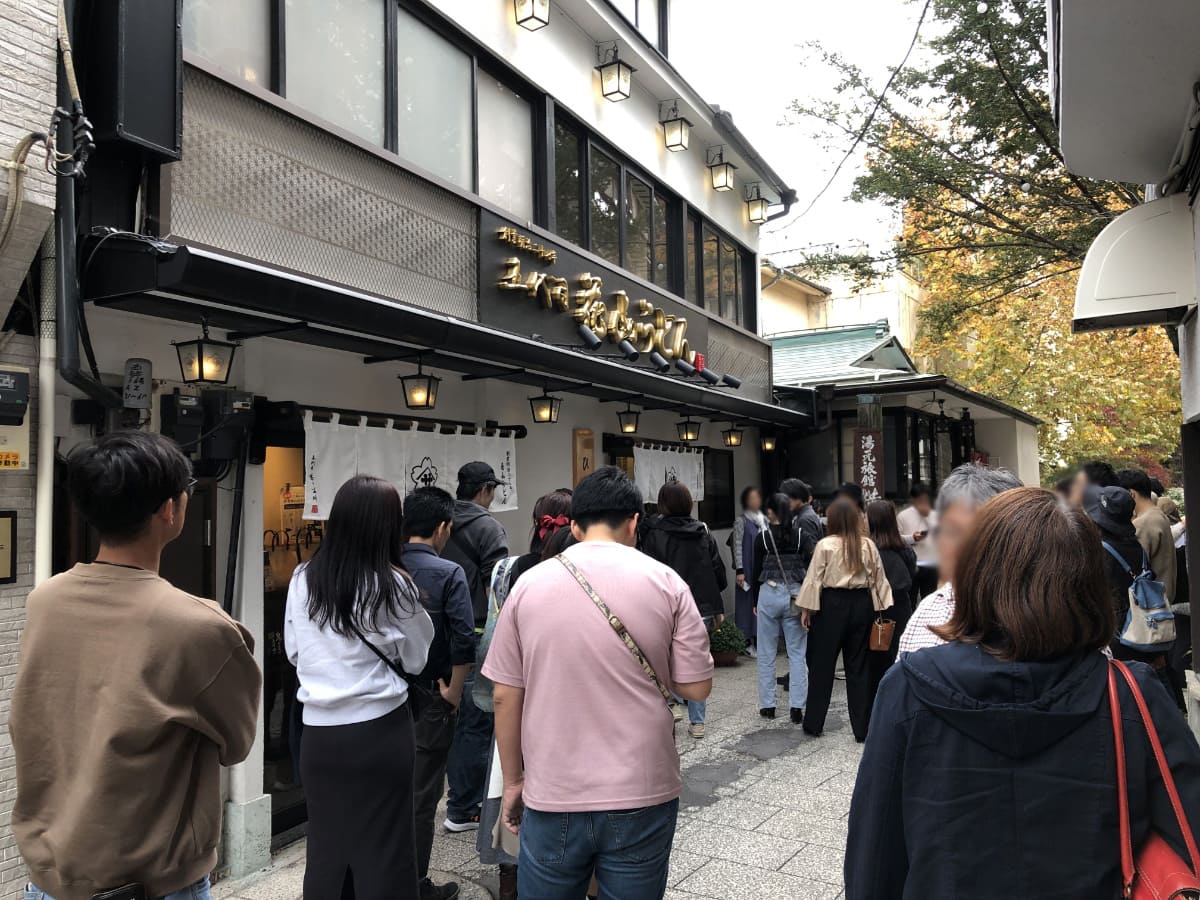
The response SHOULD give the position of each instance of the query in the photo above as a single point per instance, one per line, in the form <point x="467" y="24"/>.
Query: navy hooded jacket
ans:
<point x="986" y="779"/>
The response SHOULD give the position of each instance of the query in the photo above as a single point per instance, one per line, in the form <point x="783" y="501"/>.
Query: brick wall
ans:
<point x="16" y="492"/>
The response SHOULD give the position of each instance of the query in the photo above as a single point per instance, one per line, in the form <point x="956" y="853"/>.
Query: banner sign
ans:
<point x="410" y="459"/>
<point x="868" y="463"/>
<point x="536" y="286"/>
<point x="652" y="468"/>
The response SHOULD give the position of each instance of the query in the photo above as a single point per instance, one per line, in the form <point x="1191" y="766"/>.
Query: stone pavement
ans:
<point x="763" y="812"/>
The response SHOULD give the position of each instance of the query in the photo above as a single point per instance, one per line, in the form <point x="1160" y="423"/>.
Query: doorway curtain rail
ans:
<point x="423" y="423"/>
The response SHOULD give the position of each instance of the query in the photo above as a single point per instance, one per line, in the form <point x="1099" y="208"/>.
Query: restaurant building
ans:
<point x="393" y="236"/>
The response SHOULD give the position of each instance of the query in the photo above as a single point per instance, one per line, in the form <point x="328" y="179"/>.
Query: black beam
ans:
<point x="499" y="374"/>
<point x="400" y="357"/>
<point x="285" y="328"/>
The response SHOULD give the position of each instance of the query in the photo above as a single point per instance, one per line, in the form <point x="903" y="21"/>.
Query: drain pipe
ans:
<point x="43" y="516"/>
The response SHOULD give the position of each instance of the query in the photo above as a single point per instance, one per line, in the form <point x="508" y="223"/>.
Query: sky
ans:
<point x="750" y="58"/>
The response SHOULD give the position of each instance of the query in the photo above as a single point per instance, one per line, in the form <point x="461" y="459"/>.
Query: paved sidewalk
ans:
<point x="763" y="812"/>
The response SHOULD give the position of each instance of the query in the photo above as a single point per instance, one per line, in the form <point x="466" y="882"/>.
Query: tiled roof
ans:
<point x="827" y="355"/>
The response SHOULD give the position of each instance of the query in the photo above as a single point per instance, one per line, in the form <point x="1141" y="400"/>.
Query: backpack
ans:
<point x="1149" y="625"/>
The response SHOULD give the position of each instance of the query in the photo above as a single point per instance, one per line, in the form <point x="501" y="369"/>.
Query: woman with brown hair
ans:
<point x="991" y="766"/>
<point x="845" y="587"/>
<point x="900" y="566"/>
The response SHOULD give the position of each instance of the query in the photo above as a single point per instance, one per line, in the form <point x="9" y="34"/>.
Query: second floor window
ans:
<point x="716" y="272"/>
<point x="647" y="17"/>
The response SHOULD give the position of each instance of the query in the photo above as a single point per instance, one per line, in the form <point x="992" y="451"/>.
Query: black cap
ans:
<point x="478" y="473"/>
<point x="1111" y="508"/>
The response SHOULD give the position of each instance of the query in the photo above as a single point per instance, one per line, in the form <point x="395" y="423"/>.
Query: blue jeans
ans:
<point x="201" y="890"/>
<point x="696" y="709"/>
<point x="775" y="615"/>
<point x="630" y="851"/>
<point x="466" y="769"/>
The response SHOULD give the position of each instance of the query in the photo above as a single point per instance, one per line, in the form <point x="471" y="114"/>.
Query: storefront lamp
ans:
<point x="721" y="171"/>
<point x="756" y="205"/>
<point x="616" y="77"/>
<point x="941" y="424"/>
<point x="545" y="408"/>
<point x="768" y="443"/>
<point x="732" y="436"/>
<point x="420" y="390"/>
<point x="628" y="417"/>
<point x="205" y="361"/>
<point x="532" y="14"/>
<point x="676" y="129"/>
<point x="689" y="430"/>
<point x="967" y="426"/>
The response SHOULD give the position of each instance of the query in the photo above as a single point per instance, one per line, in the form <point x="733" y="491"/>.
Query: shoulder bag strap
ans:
<point x="617" y="626"/>
<point x="1128" y="873"/>
<point x="1119" y="558"/>
<point x="392" y="664"/>
<point x="1164" y="769"/>
<point x="782" y="571"/>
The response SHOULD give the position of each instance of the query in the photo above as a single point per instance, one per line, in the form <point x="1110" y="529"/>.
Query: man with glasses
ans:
<point x="130" y="695"/>
<point x="477" y="543"/>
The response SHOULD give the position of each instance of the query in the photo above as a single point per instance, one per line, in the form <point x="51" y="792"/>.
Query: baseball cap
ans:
<point x="478" y="473"/>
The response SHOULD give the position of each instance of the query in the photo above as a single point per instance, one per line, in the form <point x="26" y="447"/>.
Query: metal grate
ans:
<point x="729" y="351"/>
<point x="259" y="183"/>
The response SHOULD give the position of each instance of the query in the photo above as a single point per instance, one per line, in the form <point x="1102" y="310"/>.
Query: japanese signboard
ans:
<point x="8" y="547"/>
<point x="868" y="463"/>
<point x="14" y="439"/>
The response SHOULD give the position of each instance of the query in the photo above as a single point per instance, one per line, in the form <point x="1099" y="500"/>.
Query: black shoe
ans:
<point x="431" y="891"/>
<point x="810" y="732"/>
<point x="767" y="712"/>
<point x="797" y="716"/>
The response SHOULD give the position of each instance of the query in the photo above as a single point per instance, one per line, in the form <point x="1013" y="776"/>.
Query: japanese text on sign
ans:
<point x="869" y="464"/>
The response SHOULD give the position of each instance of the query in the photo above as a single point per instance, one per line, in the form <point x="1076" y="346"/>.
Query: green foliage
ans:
<point x="727" y="638"/>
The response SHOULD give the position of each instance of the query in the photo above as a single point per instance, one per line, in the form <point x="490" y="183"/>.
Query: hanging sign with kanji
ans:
<point x="868" y="463"/>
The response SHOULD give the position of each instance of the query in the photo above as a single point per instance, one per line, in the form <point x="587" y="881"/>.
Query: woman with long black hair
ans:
<point x="353" y="618"/>
<point x="900" y="566"/>
<point x="844" y="589"/>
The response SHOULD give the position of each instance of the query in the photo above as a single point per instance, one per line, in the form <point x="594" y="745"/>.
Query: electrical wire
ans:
<point x="862" y="132"/>
<point x="16" y="186"/>
<point x="206" y="435"/>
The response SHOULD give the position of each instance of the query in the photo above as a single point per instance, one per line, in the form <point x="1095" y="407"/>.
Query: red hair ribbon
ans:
<point x="550" y="523"/>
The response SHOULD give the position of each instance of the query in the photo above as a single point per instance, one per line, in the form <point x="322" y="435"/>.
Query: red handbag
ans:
<point x="1158" y="872"/>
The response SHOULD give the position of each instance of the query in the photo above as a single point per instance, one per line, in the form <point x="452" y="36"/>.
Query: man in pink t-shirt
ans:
<point x="586" y="739"/>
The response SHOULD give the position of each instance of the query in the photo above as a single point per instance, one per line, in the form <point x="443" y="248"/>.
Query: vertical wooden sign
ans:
<point x="583" y="454"/>
<point x="868" y="463"/>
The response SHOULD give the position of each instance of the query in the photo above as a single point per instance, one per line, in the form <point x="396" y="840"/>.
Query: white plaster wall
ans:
<point x="1012" y="444"/>
<point x="782" y="309"/>
<point x="560" y="60"/>
<point x="1189" y="347"/>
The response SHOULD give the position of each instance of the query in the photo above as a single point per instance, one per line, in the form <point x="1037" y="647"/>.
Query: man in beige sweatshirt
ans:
<point x="130" y="695"/>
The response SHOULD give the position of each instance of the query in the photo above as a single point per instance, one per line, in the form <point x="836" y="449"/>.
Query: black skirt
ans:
<point x="358" y="781"/>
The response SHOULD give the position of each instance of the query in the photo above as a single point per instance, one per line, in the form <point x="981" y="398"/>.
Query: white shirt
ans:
<point x="341" y="680"/>
<point x="934" y="610"/>
<point x="911" y="522"/>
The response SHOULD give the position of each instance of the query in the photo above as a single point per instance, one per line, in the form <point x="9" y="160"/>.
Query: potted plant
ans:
<point x="727" y="642"/>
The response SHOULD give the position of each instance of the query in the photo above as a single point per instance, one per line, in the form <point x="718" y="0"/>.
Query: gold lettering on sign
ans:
<point x="514" y="238"/>
<point x="640" y="322"/>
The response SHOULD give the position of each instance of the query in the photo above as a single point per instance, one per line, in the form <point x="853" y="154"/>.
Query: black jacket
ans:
<point x="447" y="599"/>
<point x="900" y="566"/>
<point x="477" y="543"/>
<point x="984" y="779"/>
<point x="1115" y="575"/>
<point x="809" y="530"/>
<point x="684" y="544"/>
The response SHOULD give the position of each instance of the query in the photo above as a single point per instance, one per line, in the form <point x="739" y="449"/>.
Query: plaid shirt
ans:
<point x="934" y="610"/>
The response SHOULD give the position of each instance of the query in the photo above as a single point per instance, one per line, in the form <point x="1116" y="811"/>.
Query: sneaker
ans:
<point x="767" y="712"/>
<point x="677" y="712"/>
<point x="431" y="891"/>
<point x="752" y="651"/>
<point x="459" y="825"/>
<point x="696" y="730"/>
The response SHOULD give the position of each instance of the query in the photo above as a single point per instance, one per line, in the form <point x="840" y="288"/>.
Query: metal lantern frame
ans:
<point x="196" y="359"/>
<point x="676" y="129"/>
<point x="545" y="408"/>
<point x="941" y="425"/>
<point x="732" y="436"/>
<point x="421" y="389"/>
<point x="967" y="431"/>
<point x="688" y="430"/>
<point x="757" y="206"/>
<point x="628" y="419"/>
<point x="616" y="76"/>
<point x="768" y="443"/>
<point x="720" y="172"/>
<point x="532" y="15"/>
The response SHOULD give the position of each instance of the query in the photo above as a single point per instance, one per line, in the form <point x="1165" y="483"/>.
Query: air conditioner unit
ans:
<point x="1140" y="270"/>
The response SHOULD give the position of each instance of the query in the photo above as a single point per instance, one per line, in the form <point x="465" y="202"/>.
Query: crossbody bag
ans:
<point x="419" y="695"/>
<point x="618" y="628"/>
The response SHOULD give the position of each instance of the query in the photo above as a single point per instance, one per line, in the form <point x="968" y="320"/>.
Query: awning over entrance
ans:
<point x="250" y="300"/>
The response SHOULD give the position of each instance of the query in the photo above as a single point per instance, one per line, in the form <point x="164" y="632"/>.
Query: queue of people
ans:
<point x="1043" y="654"/>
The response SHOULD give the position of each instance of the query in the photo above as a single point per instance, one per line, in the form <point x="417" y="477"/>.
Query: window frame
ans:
<point x="663" y="14"/>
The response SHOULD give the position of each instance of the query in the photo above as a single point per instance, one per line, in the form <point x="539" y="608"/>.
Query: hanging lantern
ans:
<point x="420" y="390"/>
<point x="676" y="130"/>
<point x="628" y="418"/>
<point x="545" y="408"/>
<point x="532" y="14"/>
<point x="616" y="77"/>
<point x="941" y="425"/>
<point x="756" y="205"/>
<point x="967" y="426"/>
<point x="721" y="171"/>
<point x="732" y="436"/>
<point x="688" y="429"/>
<point x="767" y="443"/>
<point x="205" y="361"/>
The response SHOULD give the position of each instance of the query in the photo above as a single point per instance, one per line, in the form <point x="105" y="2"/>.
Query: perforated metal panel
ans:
<point x="733" y="352"/>
<point x="261" y="184"/>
